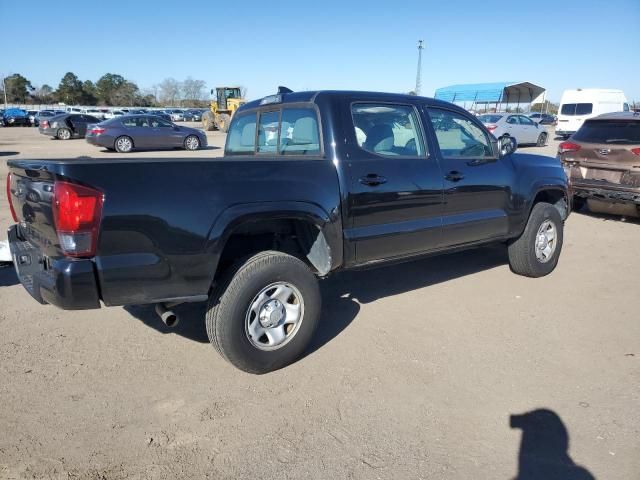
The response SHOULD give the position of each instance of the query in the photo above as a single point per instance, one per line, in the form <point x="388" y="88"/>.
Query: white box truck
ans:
<point x="578" y="105"/>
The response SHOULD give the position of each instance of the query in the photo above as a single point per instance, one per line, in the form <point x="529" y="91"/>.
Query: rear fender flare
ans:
<point x="329" y="227"/>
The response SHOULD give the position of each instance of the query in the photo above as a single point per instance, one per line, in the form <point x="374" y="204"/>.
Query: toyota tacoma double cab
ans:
<point x="310" y="183"/>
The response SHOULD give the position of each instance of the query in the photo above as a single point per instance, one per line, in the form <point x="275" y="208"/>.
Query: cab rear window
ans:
<point x="571" y="109"/>
<point x="599" y="131"/>
<point x="285" y="131"/>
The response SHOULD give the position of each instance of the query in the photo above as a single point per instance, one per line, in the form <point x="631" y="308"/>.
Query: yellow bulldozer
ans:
<point x="223" y="106"/>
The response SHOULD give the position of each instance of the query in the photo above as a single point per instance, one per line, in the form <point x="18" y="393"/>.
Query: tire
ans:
<point x="192" y="143"/>
<point x="542" y="140"/>
<point x="207" y="122"/>
<point x="242" y="300"/>
<point x="524" y="252"/>
<point x="223" y="122"/>
<point x="63" y="134"/>
<point x="123" y="144"/>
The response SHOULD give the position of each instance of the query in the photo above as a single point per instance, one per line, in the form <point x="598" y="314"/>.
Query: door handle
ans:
<point x="372" y="180"/>
<point x="454" y="176"/>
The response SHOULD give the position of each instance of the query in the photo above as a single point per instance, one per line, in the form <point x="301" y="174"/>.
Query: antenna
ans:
<point x="418" y="75"/>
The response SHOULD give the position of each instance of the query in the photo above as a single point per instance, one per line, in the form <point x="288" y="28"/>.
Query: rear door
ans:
<point x="139" y="130"/>
<point x="529" y="128"/>
<point x="395" y="195"/>
<point x="477" y="188"/>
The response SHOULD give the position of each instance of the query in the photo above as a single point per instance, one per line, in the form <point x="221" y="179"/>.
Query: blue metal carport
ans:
<point x="485" y="93"/>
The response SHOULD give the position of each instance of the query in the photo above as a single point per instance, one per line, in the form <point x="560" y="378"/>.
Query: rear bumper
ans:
<point x="99" y="140"/>
<point x="52" y="132"/>
<point x="66" y="283"/>
<point x="613" y="195"/>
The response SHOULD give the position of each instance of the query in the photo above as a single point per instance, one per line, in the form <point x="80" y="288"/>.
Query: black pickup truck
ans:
<point x="310" y="183"/>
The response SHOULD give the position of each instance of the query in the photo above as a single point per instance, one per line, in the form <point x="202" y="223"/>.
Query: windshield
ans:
<point x="571" y="109"/>
<point x="489" y="118"/>
<point x="599" y="131"/>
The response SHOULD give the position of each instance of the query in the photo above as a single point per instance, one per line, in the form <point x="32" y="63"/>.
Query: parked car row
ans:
<point x="123" y="133"/>
<point x="19" y="117"/>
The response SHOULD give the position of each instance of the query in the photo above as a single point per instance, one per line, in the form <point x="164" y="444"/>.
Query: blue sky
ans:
<point x="364" y="45"/>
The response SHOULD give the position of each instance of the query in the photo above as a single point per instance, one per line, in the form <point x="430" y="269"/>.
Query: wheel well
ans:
<point x="557" y="198"/>
<point x="300" y="238"/>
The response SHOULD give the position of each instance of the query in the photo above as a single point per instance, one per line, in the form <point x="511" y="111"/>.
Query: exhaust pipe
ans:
<point x="168" y="317"/>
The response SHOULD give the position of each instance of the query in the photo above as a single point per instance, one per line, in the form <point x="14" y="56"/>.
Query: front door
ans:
<point x="476" y="183"/>
<point x="395" y="194"/>
<point x="530" y="128"/>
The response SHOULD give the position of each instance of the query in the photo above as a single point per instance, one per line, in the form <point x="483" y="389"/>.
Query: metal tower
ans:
<point x="418" y="75"/>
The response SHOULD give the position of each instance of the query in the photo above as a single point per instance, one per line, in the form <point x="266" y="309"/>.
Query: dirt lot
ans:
<point x="414" y="374"/>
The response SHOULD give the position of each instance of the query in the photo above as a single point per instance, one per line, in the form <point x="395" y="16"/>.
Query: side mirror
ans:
<point x="506" y="146"/>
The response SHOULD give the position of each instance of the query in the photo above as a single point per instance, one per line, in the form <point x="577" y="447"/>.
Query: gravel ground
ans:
<point x="415" y="372"/>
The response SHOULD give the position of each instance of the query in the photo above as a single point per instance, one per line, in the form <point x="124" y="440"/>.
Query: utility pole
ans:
<point x="418" y="75"/>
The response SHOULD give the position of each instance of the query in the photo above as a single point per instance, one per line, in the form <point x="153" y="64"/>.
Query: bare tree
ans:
<point x="169" y="90"/>
<point x="192" y="91"/>
<point x="243" y="91"/>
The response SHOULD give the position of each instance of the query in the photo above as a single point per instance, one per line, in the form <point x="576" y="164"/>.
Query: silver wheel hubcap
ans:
<point x="192" y="143"/>
<point x="274" y="316"/>
<point x="124" y="144"/>
<point x="65" y="134"/>
<point x="546" y="241"/>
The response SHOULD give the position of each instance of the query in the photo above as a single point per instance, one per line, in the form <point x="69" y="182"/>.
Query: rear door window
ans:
<point x="386" y="129"/>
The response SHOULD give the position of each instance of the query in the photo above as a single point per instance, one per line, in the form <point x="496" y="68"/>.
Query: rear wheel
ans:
<point x="542" y="140"/>
<point x="262" y="315"/>
<point x="535" y="253"/>
<point x="223" y="122"/>
<point x="63" y="134"/>
<point x="123" y="144"/>
<point x="207" y="122"/>
<point x="192" y="142"/>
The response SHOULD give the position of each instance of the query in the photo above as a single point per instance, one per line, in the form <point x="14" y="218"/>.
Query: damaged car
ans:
<point x="602" y="163"/>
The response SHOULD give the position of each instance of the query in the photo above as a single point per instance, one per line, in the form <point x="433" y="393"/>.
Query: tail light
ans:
<point x="97" y="131"/>
<point x="77" y="211"/>
<point x="44" y="123"/>
<point x="491" y="128"/>
<point x="565" y="147"/>
<point x="635" y="151"/>
<point x="13" y="211"/>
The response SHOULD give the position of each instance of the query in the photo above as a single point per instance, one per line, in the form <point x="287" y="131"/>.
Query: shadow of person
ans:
<point x="544" y="448"/>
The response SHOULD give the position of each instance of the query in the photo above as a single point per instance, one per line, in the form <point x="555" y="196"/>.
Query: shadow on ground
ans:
<point x="8" y="275"/>
<point x="343" y="292"/>
<point x="608" y="217"/>
<point x="544" y="448"/>
<point x="8" y="154"/>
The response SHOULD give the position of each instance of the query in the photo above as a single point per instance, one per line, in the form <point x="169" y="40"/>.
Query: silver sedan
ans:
<point x="521" y="128"/>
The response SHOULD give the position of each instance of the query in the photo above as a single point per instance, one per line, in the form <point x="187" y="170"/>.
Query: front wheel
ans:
<point x="223" y="122"/>
<point x="262" y="316"/>
<point x="192" y="142"/>
<point x="536" y="252"/>
<point x="542" y="140"/>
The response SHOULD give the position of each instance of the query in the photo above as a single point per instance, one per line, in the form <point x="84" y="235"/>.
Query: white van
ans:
<point x="578" y="105"/>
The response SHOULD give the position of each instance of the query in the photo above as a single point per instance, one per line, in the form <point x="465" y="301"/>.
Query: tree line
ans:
<point x="110" y="90"/>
